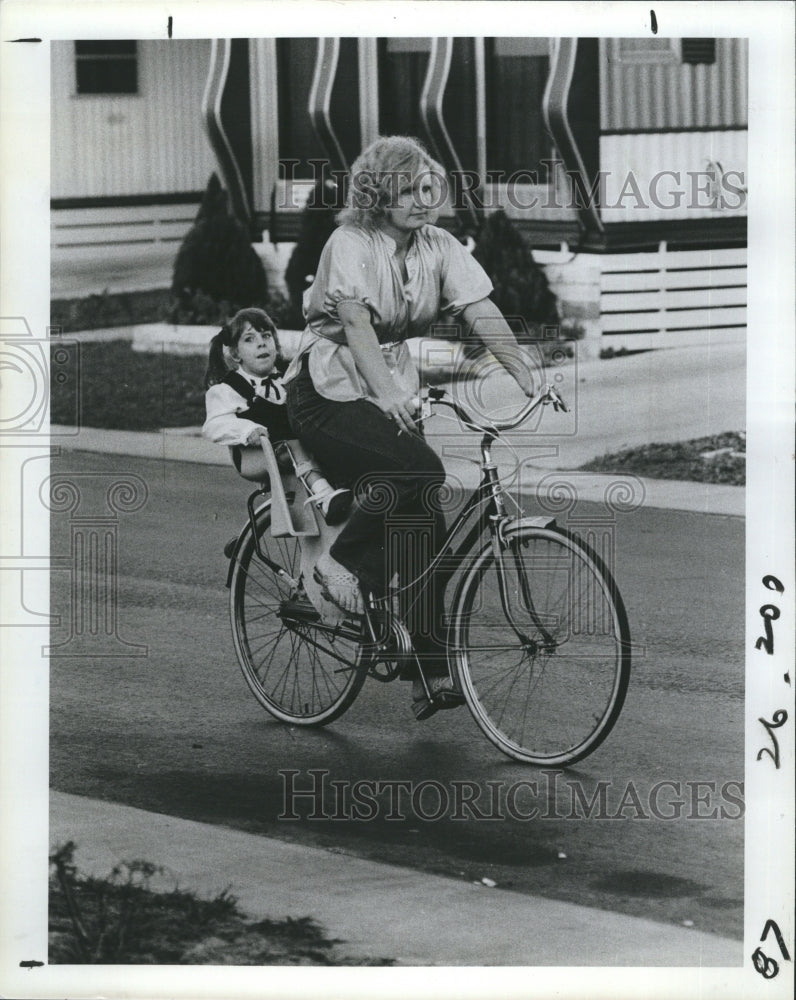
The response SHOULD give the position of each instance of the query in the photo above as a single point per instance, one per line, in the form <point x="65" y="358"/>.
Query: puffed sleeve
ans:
<point x="347" y="272"/>
<point x="463" y="280"/>
<point x="223" y="425"/>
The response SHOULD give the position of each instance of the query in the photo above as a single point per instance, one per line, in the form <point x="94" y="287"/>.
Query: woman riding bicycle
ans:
<point x="385" y="275"/>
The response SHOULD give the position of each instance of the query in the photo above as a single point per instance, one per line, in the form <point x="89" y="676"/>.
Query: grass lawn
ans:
<point x="100" y="312"/>
<point x="118" y="388"/>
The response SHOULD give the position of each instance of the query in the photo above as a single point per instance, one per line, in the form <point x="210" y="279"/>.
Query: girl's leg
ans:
<point x="333" y="504"/>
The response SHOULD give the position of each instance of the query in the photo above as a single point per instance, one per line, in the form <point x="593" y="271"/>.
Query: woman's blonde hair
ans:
<point x="378" y="173"/>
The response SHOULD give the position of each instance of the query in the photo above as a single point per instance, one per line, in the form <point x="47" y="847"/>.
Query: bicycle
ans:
<point x="538" y="637"/>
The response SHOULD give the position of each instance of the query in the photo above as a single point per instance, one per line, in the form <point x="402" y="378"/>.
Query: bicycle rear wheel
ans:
<point x="547" y="686"/>
<point x="300" y="670"/>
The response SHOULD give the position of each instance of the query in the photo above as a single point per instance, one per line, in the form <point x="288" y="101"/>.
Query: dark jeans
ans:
<point x="395" y="524"/>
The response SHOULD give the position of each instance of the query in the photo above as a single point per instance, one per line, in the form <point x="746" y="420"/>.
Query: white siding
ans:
<point x="669" y="94"/>
<point x="641" y="158"/>
<point x="149" y="143"/>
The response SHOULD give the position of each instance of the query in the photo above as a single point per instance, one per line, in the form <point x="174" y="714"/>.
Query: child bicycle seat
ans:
<point x="250" y="462"/>
<point x="297" y="518"/>
<point x="259" y="464"/>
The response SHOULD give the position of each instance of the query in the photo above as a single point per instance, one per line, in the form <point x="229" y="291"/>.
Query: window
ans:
<point x="516" y="75"/>
<point x="647" y="50"/>
<point x="403" y="65"/>
<point x="106" y="67"/>
<point x="460" y="103"/>
<point x="402" y="71"/>
<point x="698" y="50"/>
<point x="296" y="59"/>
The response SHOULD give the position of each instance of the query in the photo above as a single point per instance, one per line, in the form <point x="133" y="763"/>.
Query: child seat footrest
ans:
<point x="296" y="519"/>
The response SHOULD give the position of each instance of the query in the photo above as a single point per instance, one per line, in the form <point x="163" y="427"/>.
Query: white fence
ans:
<point x="672" y="297"/>
<point x="119" y="248"/>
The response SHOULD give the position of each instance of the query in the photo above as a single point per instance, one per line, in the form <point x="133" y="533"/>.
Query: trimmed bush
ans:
<point x="317" y="225"/>
<point x="521" y="290"/>
<point x="217" y="271"/>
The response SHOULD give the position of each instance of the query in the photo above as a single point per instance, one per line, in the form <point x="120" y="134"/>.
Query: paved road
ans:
<point x="176" y="730"/>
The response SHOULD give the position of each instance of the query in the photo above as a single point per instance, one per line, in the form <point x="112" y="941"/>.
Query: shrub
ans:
<point x="216" y="271"/>
<point x="521" y="290"/>
<point x="317" y="225"/>
<point x="120" y="920"/>
<point x="97" y="312"/>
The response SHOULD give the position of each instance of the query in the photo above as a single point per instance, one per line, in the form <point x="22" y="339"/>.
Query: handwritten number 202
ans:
<point x="769" y="613"/>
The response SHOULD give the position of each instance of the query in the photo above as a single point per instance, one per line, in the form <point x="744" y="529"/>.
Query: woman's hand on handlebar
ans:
<point x="401" y="407"/>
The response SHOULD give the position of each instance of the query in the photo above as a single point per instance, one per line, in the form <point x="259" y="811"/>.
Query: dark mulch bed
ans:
<point x="720" y="458"/>
<point x="101" y="312"/>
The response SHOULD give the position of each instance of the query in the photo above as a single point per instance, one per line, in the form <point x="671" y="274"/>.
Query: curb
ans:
<point x="378" y="910"/>
<point x="185" y="444"/>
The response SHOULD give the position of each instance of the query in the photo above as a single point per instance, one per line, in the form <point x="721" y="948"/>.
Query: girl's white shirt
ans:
<point x="223" y="404"/>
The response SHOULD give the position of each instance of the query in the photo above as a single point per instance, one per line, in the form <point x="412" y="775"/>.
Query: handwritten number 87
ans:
<point x="769" y="967"/>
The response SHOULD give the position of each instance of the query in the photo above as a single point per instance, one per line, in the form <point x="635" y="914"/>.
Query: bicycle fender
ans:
<point x="529" y="522"/>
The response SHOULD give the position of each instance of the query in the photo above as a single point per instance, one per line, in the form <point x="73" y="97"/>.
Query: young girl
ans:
<point x="248" y="404"/>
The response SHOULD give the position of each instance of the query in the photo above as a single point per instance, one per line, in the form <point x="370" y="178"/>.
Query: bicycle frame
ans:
<point x="488" y="495"/>
<point x="488" y="499"/>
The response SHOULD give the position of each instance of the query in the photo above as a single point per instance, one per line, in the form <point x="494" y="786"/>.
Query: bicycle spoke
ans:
<point x="293" y="667"/>
<point x="546" y="674"/>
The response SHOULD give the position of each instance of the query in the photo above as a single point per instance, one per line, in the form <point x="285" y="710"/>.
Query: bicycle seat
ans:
<point x="250" y="462"/>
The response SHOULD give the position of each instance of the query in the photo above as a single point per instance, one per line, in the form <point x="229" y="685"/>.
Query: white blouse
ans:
<point x="223" y="403"/>
<point x="359" y="265"/>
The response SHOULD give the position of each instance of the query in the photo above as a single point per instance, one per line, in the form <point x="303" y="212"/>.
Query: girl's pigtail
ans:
<point x="216" y="365"/>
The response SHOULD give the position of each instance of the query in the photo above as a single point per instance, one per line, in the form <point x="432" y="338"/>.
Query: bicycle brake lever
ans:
<point x="555" y="398"/>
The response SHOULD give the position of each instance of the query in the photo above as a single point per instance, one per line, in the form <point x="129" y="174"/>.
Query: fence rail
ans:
<point x="646" y="299"/>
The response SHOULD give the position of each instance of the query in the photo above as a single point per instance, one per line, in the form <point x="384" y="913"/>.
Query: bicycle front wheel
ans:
<point x="300" y="670"/>
<point x="541" y="645"/>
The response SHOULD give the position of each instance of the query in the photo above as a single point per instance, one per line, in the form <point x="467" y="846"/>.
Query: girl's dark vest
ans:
<point x="273" y="416"/>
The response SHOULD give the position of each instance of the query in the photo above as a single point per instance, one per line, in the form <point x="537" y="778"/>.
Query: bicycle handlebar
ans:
<point x="549" y="394"/>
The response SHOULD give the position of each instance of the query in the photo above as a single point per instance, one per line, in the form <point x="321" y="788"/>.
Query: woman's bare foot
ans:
<point x="339" y="585"/>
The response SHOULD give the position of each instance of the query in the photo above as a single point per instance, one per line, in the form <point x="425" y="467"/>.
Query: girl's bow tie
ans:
<point x="268" y="384"/>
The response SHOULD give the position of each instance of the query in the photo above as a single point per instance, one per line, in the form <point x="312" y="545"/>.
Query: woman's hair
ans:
<point x="378" y="173"/>
<point x="228" y="337"/>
